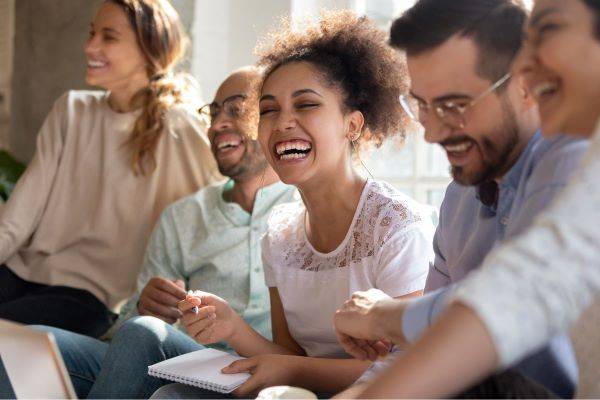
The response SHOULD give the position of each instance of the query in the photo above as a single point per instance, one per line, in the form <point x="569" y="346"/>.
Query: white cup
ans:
<point x="285" y="392"/>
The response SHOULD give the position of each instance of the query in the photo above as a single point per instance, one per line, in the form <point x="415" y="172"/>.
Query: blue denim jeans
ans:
<point x="118" y="370"/>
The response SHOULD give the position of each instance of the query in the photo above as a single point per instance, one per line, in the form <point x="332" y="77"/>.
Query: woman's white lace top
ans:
<point x="388" y="246"/>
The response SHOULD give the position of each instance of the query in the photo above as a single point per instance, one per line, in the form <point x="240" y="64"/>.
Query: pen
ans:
<point x="195" y="308"/>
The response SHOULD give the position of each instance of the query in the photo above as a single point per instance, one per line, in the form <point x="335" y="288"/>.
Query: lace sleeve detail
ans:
<point x="283" y="236"/>
<point x="383" y="212"/>
<point x="390" y="213"/>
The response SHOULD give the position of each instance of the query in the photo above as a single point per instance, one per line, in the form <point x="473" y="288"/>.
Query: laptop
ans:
<point x="33" y="363"/>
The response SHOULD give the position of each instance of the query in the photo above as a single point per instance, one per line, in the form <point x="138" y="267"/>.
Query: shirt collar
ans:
<point x="269" y="193"/>
<point x="266" y="197"/>
<point x="487" y="194"/>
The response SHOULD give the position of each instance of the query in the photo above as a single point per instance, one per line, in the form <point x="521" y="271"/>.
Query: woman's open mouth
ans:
<point x="295" y="149"/>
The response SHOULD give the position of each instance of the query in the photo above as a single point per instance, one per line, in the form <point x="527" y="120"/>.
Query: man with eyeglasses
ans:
<point x="459" y="54"/>
<point x="208" y="241"/>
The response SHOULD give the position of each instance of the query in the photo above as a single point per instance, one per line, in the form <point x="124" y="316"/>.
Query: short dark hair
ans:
<point x="496" y="26"/>
<point x="594" y="6"/>
<point x="352" y="54"/>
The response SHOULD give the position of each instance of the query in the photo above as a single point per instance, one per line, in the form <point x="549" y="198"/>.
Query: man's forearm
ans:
<point x="388" y="322"/>
<point x="454" y="353"/>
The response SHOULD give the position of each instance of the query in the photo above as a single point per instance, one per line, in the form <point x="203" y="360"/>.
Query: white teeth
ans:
<point x="227" y="144"/>
<point x="96" y="64"/>
<point x="293" y="156"/>
<point x="544" y="88"/>
<point x="291" y="145"/>
<point x="458" y="148"/>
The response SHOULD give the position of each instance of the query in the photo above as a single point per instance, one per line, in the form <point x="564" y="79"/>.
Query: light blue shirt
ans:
<point x="214" y="246"/>
<point x="469" y="229"/>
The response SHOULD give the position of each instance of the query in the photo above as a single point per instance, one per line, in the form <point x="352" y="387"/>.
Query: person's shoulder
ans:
<point x="203" y="197"/>
<point x="455" y="190"/>
<point x="71" y="107"/>
<point x="284" y="221"/>
<point x="557" y="159"/>
<point x="392" y="209"/>
<point x="284" y="193"/>
<point x="79" y="100"/>
<point x="89" y="98"/>
<point x="459" y="197"/>
<point x="383" y="197"/>
<point x="284" y="213"/>
<point x="284" y="234"/>
<point x="457" y="193"/>
<point x="564" y="146"/>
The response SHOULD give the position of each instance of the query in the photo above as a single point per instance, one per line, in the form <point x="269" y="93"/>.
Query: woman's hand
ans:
<point x="266" y="370"/>
<point x="215" y="320"/>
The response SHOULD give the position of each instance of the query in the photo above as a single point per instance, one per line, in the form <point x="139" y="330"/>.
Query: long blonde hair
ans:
<point x="162" y="39"/>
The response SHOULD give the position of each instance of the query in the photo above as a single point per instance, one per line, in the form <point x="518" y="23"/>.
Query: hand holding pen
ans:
<point x="195" y="308"/>
<point x="213" y="321"/>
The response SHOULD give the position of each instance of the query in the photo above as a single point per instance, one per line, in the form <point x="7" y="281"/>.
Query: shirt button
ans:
<point x="504" y="221"/>
<point x="256" y="269"/>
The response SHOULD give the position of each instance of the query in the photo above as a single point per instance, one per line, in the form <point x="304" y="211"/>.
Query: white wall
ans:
<point x="225" y="33"/>
<point x="302" y="8"/>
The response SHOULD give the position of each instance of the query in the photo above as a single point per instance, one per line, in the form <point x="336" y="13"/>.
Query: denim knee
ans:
<point x="143" y="330"/>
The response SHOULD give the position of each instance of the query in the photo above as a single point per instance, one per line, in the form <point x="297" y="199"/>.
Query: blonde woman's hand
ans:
<point x="214" y="321"/>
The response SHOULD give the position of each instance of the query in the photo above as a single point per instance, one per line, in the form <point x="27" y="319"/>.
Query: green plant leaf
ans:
<point x="10" y="172"/>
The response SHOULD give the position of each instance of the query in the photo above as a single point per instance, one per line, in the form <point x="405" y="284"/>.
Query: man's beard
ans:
<point x="496" y="155"/>
<point x="252" y="163"/>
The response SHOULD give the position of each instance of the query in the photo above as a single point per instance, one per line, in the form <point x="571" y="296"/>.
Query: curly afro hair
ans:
<point x="354" y="56"/>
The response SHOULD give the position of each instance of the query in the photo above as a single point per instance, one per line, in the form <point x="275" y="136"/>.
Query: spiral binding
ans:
<point x="188" y="381"/>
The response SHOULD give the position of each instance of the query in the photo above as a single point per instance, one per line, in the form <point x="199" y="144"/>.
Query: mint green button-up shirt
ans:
<point x="214" y="246"/>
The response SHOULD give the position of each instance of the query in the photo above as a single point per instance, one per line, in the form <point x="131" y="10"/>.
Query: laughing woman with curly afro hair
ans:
<point x="328" y="90"/>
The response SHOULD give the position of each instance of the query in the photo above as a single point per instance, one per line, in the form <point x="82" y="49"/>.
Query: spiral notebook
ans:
<point x="202" y="369"/>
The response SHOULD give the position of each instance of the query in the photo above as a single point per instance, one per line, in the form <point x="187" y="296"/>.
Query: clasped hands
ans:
<point x="369" y="324"/>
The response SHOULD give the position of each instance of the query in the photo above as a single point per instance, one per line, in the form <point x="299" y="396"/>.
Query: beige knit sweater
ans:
<point x="79" y="216"/>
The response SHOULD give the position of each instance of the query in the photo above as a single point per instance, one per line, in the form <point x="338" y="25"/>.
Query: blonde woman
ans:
<point x="73" y="233"/>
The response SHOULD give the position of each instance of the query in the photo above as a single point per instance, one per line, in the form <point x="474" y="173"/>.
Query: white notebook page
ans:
<point x="201" y="368"/>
